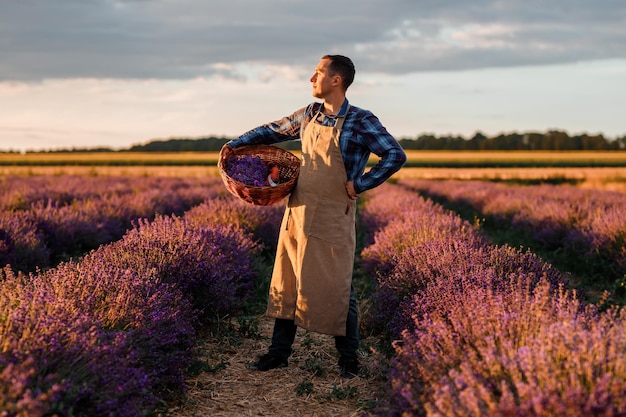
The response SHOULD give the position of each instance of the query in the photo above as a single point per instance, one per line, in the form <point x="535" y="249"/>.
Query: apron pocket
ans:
<point x="333" y="221"/>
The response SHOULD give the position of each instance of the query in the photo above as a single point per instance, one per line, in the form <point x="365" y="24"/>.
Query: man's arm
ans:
<point x="385" y="146"/>
<point x="287" y="128"/>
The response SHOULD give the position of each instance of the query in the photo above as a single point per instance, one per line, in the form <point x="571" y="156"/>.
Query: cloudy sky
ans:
<point x="87" y="73"/>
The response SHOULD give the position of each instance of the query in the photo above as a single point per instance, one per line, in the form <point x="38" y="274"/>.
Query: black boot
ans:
<point x="349" y="367"/>
<point x="267" y="362"/>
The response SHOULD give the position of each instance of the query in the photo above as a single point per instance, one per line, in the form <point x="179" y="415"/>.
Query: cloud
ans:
<point x="185" y="39"/>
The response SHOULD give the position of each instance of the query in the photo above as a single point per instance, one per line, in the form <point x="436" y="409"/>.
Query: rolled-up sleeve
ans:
<point x="287" y="128"/>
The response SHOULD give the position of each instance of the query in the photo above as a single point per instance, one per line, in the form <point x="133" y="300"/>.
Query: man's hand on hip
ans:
<point x="350" y="190"/>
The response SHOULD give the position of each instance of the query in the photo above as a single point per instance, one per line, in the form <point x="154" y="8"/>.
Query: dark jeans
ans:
<point x="285" y="333"/>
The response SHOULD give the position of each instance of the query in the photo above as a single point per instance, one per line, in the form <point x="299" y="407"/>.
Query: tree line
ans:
<point x="553" y="140"/>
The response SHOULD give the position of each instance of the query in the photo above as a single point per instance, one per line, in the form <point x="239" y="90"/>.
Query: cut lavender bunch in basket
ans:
<point x="247" y="169"/>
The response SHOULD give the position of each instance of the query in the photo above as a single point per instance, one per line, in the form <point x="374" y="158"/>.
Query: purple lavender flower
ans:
<point x="248" y="170"/>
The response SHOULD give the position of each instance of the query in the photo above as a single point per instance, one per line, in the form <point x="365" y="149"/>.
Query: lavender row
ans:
<point x="112" y="333"/>
<point x="47" y="219"/>
<point x="586" y="223"/>
<point x="482" y="329"/>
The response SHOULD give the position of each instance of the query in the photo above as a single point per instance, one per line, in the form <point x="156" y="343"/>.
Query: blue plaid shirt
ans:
<point x="361" y="134"/>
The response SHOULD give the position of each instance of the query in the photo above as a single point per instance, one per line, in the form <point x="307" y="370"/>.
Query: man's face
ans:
<point x="322" y="81"/>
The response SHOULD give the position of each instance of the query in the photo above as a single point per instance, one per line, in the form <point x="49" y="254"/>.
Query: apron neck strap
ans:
<point x="339" y="121"/>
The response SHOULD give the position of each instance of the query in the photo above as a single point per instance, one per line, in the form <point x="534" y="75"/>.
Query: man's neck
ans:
<point x="332" y="105"/>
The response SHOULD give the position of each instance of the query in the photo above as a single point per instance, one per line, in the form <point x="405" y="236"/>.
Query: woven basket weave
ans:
<point x="288" y="166"/>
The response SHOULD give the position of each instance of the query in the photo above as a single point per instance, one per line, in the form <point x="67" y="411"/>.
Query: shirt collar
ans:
<point x="344" y="109"/>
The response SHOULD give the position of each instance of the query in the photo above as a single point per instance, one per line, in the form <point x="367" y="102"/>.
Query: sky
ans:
<point x="115" y="73"/>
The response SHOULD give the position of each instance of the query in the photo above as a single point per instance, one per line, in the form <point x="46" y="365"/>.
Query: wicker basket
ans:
<point x="288" y="165"/>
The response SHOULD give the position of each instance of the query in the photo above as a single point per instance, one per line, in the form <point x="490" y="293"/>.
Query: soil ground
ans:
<point x="310" y="386"/>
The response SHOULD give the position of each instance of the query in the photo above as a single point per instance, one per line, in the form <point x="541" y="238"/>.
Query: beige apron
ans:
<point x="315" y="255"/>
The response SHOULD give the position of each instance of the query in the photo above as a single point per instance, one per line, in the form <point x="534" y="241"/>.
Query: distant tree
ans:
<point x="72" y="150"/>
<point x="594" y="143"/>
<point x="209" y="144"/>
<point x="477" y="142"/>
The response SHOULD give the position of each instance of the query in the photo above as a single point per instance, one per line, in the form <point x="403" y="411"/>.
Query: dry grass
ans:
<point x="516" y="156"/>
<point x="606" y="178"/>
<point x="205" y="158"/>
<point x="309" y="386"/>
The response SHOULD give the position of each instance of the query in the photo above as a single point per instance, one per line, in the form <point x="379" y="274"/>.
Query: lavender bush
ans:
<point x="211" y="263"/>
<point x="586" y="223"/>
<point x="156" y="318"/>
<point x="22" y="243"/>
<point x="520" y="350"/>
<point x="56" y="357"/>
<point x="418" y="221"/>
<point x="68" y="215"/>
<point x="420" y="245"/>
<point x="454" y="261"/>
<point x="20" y="193"/>
<point x="486" y="330"/>
<point x="388" y="204"/>
<point x="21" y="397"/>
<point x="112" y="333"/>
<point x="261" y="222"/>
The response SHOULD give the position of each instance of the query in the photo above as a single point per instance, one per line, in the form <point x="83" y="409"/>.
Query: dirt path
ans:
<point x="310" y="386"/>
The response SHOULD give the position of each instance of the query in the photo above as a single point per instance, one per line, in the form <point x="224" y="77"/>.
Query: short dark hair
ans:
<point x="343" y="66"/>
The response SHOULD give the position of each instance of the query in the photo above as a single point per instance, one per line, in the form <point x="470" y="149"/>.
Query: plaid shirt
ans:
<point x="361" y="134"/>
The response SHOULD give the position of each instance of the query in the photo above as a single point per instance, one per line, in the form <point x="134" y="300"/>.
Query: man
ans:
<point x="311" y="283"/>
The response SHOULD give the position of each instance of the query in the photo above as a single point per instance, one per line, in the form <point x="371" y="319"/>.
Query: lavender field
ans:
<point x="475" y="329"/>
<point x="44" y="219"/>
<point x="481" y="329"/>
<point x="587" y="227"/>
